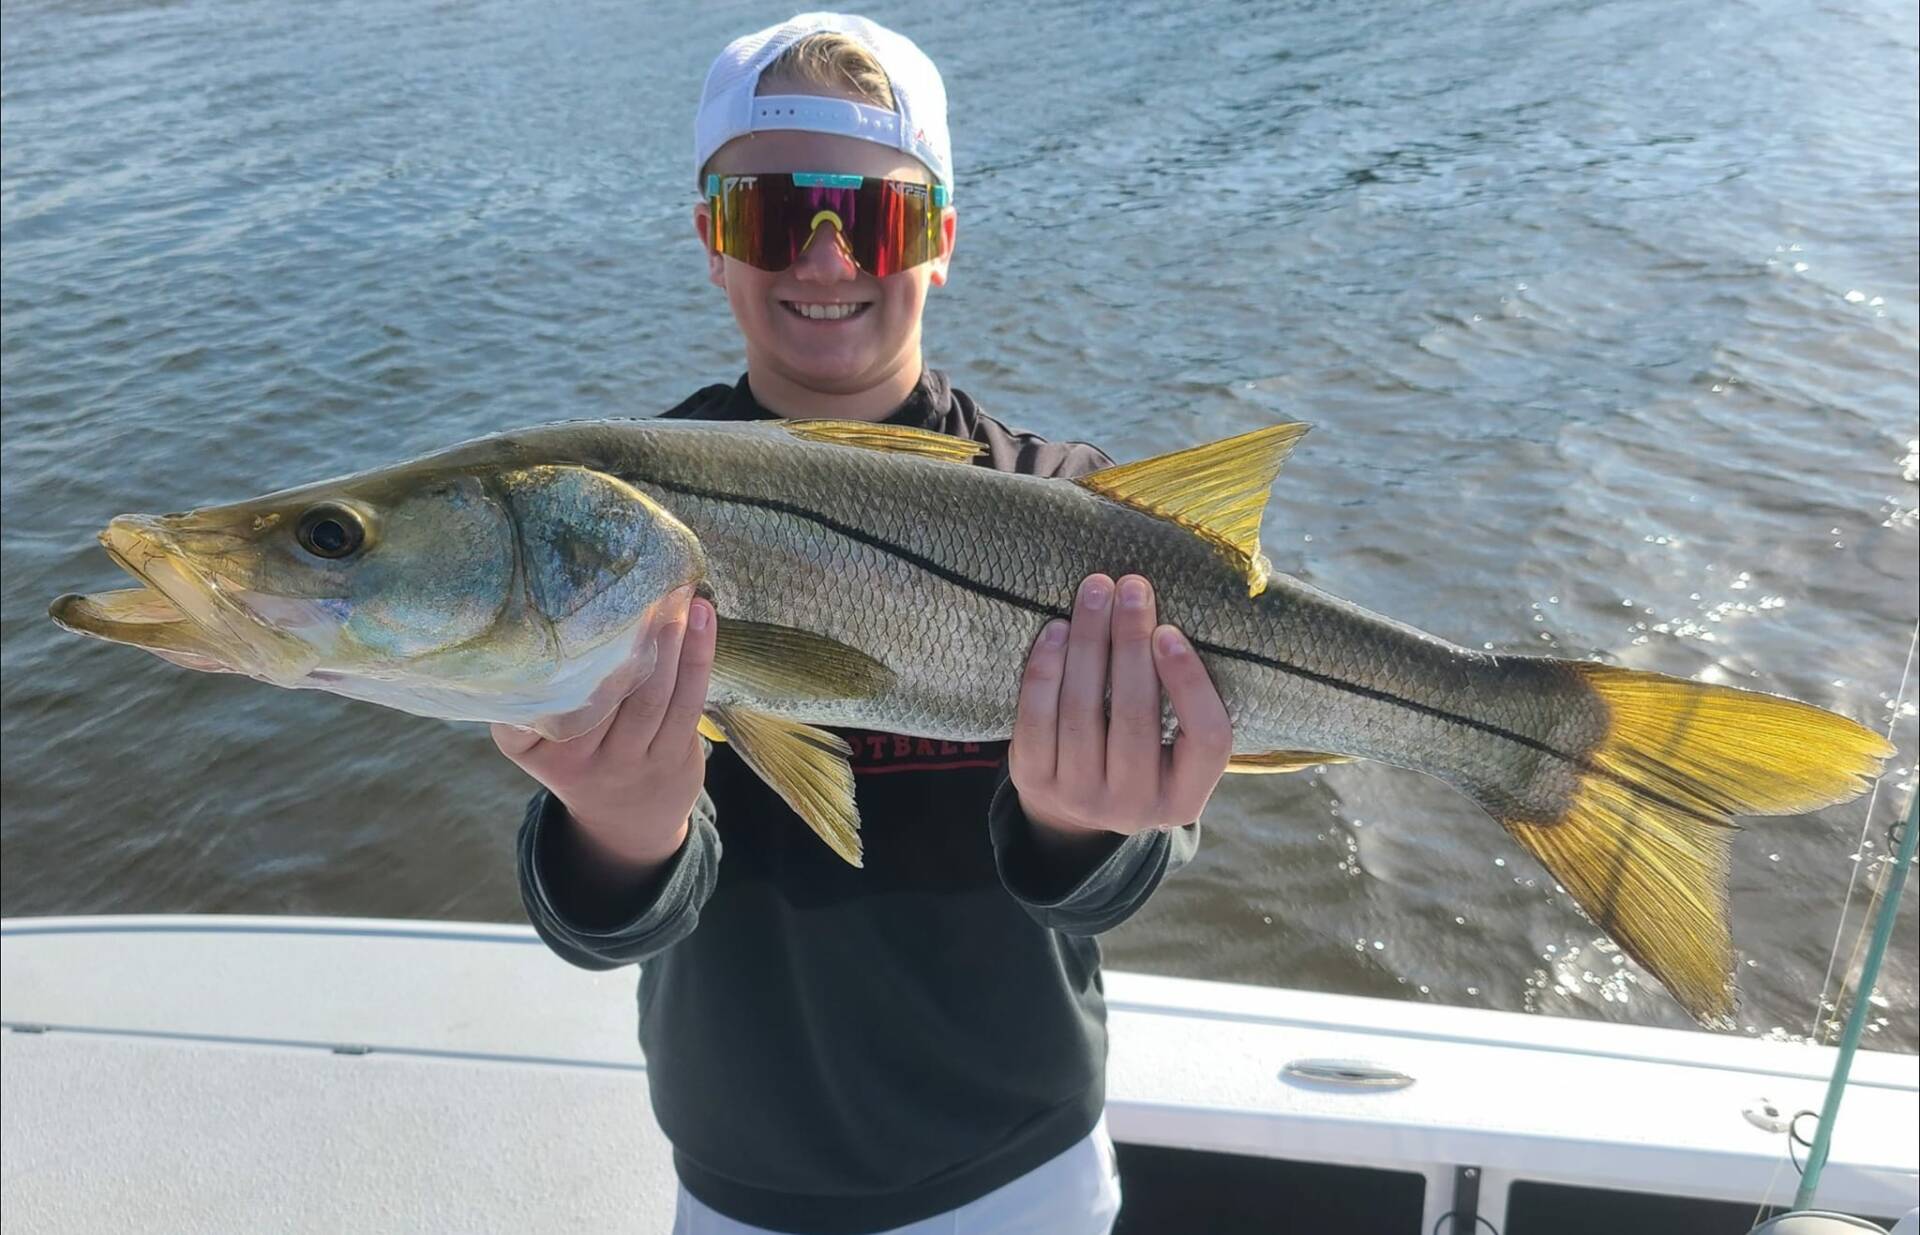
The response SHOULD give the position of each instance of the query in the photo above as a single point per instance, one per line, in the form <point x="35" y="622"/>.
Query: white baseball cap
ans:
<point x="729" y="108"/>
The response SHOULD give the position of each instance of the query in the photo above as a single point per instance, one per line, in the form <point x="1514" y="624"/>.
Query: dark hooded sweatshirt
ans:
<point x="833" y="1050"/>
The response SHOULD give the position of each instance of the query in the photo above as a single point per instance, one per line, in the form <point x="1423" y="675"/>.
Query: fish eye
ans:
<point x="331" y="532"/>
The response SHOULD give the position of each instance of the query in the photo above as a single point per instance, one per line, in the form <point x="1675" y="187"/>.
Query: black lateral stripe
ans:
<point x="874" y="542"/>
<point x="1253" y="658"/>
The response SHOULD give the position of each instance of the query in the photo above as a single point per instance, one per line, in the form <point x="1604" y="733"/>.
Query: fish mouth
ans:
<point x="179" y="612"/>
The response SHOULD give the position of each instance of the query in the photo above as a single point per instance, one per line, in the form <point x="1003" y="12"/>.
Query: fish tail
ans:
<point x="1637" y="825"/>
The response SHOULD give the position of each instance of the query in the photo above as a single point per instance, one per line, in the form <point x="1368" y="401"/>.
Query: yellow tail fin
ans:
<point x="1641" y="842"/>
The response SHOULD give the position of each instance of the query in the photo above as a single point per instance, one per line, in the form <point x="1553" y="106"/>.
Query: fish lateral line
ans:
<point x="1583" y="762"/>
<point x="1045" y="610"/>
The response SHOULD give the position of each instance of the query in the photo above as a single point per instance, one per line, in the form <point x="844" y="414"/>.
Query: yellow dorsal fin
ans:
<point x="1282" y="761"/>
<point x="897" y="438"/>
<point x="1218" y="491"/>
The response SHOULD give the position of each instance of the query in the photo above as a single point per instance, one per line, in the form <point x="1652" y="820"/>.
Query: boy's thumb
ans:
<point x="513" y="740"/>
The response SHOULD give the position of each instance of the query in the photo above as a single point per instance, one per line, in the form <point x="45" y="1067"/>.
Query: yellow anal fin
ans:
<point x="782" y="662"/>
<point x="896" y="438"/>
<point x="1642" y="842"/>
<point x="1218" y="491"/>
<point x="1273" y="761"/>
<point x="807" y="767"/>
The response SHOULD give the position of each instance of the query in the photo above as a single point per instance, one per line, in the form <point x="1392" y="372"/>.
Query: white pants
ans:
<point x="1076" y="1193"/>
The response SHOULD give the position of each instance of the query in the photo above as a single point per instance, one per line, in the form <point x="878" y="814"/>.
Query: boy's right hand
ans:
<point x="630" y="782"/>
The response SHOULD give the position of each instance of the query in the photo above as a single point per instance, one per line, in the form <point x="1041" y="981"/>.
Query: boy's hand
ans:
<point x="631" y="781"/>
<point x="1081" y="770"/>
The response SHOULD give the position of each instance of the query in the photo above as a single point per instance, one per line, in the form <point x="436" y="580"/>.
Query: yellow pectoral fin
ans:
<point x="710" y="731"/>
<point x="782" y="662"/>
<point x="807" y="767"/>
<point x="1273" y="761"/>
<point x="895" y="438"/>
<point x="1217" y="491"/>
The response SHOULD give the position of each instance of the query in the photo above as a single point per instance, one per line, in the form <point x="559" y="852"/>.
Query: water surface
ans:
<point x="1609" y="335"/>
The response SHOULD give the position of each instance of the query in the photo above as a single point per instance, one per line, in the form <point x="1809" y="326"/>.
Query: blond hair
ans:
<point x="833" y="62"/>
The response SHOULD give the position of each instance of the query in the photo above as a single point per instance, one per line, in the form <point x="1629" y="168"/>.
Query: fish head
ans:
<point x="474" y="592"/>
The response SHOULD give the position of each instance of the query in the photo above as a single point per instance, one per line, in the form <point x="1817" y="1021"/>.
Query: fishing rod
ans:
<point x="1800" y="1218"/>
<point x="1857" y="1018"/>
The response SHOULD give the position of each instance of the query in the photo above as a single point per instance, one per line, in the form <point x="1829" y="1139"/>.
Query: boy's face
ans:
<point x="843" y="355"/>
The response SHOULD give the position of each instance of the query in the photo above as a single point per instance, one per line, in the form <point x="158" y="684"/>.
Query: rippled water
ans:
<point x="1606" y="314"/>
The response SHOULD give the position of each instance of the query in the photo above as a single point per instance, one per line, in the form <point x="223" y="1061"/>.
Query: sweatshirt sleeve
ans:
<point x="606" y="936"/>
<point x="1107" y="893"/>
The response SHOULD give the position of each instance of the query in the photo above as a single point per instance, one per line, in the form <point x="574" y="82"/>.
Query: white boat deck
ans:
<point x="288" y="1074"/>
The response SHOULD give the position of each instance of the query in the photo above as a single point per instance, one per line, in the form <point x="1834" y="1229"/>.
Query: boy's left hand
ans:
<point x="1083" y="766"/>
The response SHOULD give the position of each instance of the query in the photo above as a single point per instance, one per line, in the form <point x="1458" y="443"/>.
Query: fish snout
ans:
<point x="174" y="559"/>
<point x="131" y="537"/>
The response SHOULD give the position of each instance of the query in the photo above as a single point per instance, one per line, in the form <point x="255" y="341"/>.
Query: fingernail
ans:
<point x="1133" y="593"/>
<point x="1055" y="634"/>
<point x="1096" y="593"/>
<point x="1171" y="644"/>
<point x="697" y="615"/>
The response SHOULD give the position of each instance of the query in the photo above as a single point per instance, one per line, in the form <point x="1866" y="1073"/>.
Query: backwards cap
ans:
<point x="729" y="108"/>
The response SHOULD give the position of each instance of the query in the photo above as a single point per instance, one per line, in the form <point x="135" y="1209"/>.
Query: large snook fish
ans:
<point x="865" y="576"/>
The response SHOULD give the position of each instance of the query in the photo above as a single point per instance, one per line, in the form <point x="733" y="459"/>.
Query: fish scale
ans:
<point x="993" y="584"/>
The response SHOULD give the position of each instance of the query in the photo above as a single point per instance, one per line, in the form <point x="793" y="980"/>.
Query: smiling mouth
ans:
<point x="816" y="311"/>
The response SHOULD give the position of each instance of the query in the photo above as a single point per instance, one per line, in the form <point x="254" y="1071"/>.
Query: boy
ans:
<point x="917" y="1045"/>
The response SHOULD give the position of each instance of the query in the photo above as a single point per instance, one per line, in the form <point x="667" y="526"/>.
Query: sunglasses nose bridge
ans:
<point x="841" y="249"/>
